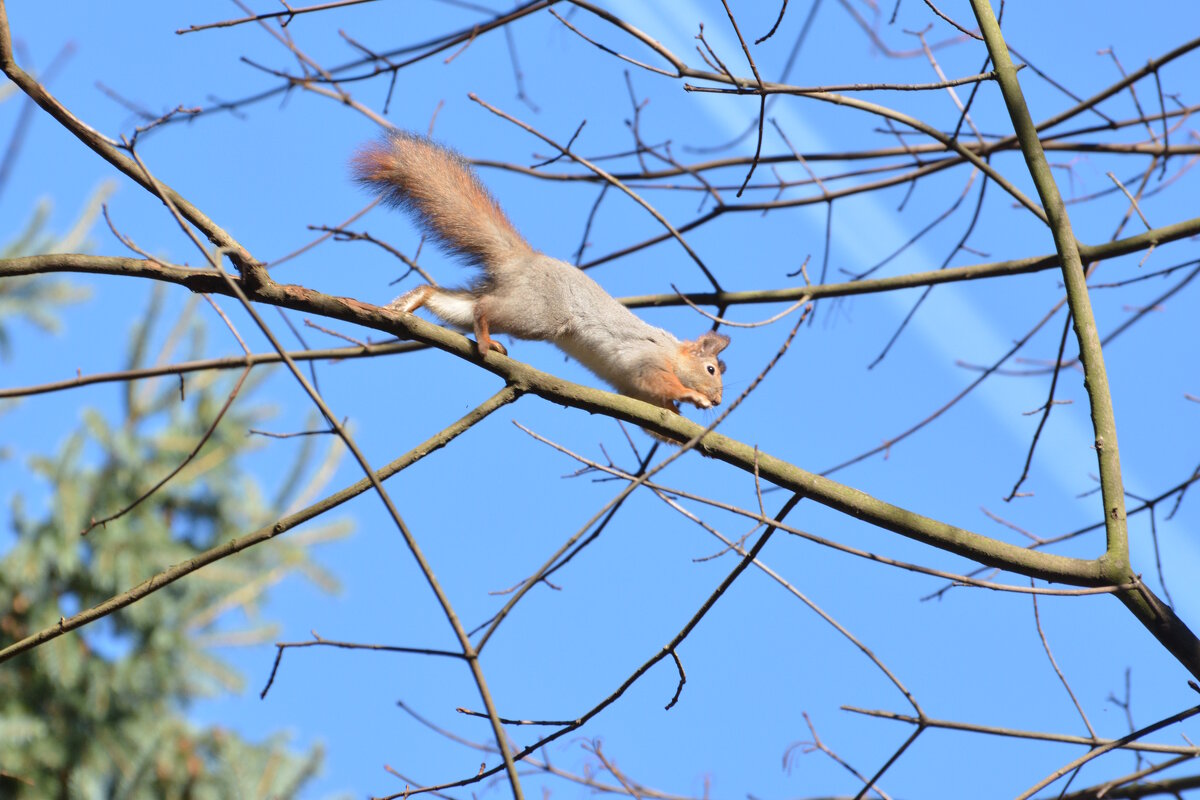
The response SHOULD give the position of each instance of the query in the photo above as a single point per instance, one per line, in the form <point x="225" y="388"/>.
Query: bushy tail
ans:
<point x="445" y="195"/>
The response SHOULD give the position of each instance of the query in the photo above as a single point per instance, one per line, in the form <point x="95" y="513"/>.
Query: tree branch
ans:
<point x="1158" y="618"/>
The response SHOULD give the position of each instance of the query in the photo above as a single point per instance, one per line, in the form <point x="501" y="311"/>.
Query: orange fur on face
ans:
<point x="666" y="390"/>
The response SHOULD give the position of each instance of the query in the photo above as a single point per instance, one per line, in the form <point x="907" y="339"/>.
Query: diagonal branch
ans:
<point x="266" y="533"/>
<point x="1149" y="610"/>
<point x="1090" y="352"/>
<point x="108" y="150"/>
<point x="983" y="549"/>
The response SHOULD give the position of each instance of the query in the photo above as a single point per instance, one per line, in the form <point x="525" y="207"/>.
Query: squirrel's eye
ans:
<point x="712" y="370"/>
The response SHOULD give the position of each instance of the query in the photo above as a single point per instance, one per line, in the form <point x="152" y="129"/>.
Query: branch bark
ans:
<point x="1158" y="618"/>
<point x="979" y="548"/>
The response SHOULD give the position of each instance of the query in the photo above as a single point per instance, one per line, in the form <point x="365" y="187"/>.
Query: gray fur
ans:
<point x="533" y="296"/>
<point x="527" y="294"/>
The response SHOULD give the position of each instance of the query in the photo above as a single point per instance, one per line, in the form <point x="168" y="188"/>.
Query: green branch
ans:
<point x="1150" y="611"/>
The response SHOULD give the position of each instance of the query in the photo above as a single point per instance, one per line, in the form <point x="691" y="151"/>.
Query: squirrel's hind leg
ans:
<point x="457" y="307"/>
<point x="411" y="300"/>
<point x="453" y="306"/>
<point x="483" y="339"/>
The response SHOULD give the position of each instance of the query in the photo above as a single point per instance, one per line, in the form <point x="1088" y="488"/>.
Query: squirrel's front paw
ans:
<point x="698" y="400"/>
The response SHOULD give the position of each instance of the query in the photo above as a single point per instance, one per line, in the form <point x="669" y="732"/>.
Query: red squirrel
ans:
<point x="523" y="292"/>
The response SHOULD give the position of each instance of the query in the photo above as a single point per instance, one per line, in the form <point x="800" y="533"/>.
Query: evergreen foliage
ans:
<point x="103" y="713"/>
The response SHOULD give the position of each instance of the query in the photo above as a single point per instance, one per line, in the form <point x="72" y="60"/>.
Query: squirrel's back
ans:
<point x="418" y="175"/>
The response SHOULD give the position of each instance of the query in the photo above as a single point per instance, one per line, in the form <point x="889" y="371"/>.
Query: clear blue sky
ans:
<point x="760" y="658"/>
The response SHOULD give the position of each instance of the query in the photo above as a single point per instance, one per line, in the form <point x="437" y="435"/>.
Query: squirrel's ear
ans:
<point x="712" y="343"/>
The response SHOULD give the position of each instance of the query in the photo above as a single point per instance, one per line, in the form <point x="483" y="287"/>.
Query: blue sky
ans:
<point x="760" y="658"/>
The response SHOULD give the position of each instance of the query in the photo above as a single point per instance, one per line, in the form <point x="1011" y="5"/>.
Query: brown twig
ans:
<point x="318" y="641"/>
<point x="1045" y="409"/>
<point x="1037" y="621"/>
<point x="1125" y="743"/>
<point x="611" y="179"/>
<point x="289" y="14"/>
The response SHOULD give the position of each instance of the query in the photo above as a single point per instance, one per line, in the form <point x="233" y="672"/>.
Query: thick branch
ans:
<point x="1091" y="355"/>
<point x="527" y="379"/>
<point x="108" y="150"/>
<point x="208" y="281"/>
<point x="994" y="269"/>
<point x="1171" y="632"/>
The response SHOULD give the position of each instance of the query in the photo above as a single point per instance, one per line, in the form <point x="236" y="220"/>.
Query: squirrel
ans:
<point x="528" y="294"/>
